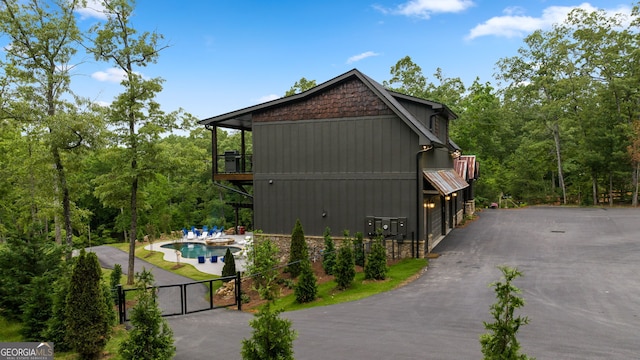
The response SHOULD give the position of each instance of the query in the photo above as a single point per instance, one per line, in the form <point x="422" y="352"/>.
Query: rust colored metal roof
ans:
<point x="466" y="166"/>
<point x="446" y="181"/>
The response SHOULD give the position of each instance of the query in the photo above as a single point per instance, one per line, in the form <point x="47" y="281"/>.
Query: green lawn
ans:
<point x="328" y="294"/>
<point x="156" y="258"/>
<point x="10" y="330"/>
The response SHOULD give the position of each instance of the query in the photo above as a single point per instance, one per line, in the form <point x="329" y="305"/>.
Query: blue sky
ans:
<point x="227" y="55"/>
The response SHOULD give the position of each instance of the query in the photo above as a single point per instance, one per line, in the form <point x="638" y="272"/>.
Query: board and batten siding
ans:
<point x="348" y="168"/>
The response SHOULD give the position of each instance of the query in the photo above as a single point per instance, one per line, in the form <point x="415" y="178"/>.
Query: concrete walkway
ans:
<point x="580" y="284"/>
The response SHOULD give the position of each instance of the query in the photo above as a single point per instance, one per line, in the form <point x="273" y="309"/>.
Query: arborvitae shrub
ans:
<point x="376" y="266"/>
<point x="345" y="270"/>
<point x="151" y="336"/>
<point x="329" y="253"/>
<point x="272" y="337"/>
<point x="307" y="287"/>
<point x="229" y="268"/>
<point x="500" y="342"/>
<point x="114" y="278"/>
<point x="86" y="301"/>
<point x="298" y="251"/>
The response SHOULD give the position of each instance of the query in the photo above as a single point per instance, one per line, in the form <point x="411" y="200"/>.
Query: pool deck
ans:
<point x="206" y="267"/>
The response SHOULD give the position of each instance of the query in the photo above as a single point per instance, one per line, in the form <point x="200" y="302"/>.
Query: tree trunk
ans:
<point x="556" y="139"/>
<point x="610" y="189"/>
<point x="636" y="171"/>
<point x="66" y="203"/>
<point x="594" y="188"/>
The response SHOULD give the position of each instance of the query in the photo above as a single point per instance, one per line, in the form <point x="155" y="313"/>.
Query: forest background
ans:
<point x="560" y="126"/>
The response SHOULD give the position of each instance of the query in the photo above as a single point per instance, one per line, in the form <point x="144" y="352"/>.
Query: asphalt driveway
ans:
<point x="581" y="285"/>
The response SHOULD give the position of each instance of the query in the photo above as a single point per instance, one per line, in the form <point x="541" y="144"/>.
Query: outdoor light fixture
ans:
<point x="447" y="197"/>
<point x="455" y="194"/>
<point x="270" y="181"/>
<point x="425" y="205"/>
<point x="455" y="154"/>
<point x="432" y="205"/>
<point x="324" y="213"/>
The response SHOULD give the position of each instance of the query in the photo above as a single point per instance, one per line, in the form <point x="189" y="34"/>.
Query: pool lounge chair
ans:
<point x="214" y="258"/>
<point x="201" y="260"/>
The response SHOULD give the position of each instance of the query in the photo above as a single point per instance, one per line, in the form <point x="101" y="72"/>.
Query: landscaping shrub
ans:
<point x="272" y="337"/>
<point x="307" y="288"/>
<point x="85" y="301"/>
<point x="229" y="268"/>
<point x="298" y="251"/>
<point x="114" y="278"/>
<point x="345" y="270"/>
<point x="151" y="337"/>
<point x="261" y="267"/>
<point x="376" y="266"/>
<point x="500" y="342"/>
<point x="329" y="253"/>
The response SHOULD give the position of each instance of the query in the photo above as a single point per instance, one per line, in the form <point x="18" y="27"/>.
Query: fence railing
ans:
<point x="182" y="299"/>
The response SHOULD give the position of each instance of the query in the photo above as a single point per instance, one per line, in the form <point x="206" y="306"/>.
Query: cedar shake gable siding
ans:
<point x="351" y="98"/>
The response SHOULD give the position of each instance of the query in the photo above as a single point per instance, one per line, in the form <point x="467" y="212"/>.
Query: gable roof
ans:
<point x="242" y="119"/>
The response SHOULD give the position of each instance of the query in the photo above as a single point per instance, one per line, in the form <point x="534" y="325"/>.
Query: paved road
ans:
<point x="581" y="285"/>
<point x="169" y="298"/>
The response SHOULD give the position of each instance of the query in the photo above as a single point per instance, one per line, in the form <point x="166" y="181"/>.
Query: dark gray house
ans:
<point x="349" y="155"/>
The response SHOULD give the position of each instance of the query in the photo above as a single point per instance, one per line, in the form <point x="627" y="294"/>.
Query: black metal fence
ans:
<point x="181" y="299"/>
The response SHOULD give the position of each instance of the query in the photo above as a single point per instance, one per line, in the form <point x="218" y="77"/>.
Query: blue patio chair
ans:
<point x="221" y="230"/>
<point x="214" y="258"/>
<point x="205" y="229"/>
<point x="215" y="229"/>
<point x="198" y="233"/>
<point x="200" y="259"/>
<point x="185" y="232"/>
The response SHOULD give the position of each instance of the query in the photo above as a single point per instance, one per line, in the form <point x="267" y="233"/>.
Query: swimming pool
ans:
<point x="192" y="250"/>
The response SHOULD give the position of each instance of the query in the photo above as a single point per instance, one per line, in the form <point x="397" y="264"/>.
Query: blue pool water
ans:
<point x="192" y="250"/>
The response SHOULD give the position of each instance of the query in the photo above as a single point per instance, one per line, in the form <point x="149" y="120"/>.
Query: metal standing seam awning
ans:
<point x="446" y="181"/>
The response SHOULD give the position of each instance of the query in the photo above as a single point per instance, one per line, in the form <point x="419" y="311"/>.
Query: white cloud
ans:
<point x="359" y="57"/>
<point x="424" y="8"/>
<point x="515" y="24"/>
<point x="267" y="98"/>
<point x="113" y="75"/>
<point x="93" y="9"/>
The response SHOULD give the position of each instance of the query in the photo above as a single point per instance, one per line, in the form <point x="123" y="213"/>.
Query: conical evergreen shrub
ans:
<point x="151" y="337"/>
<point x="229" y="268"/>
<point x="376" y="266"/>
<point x="298" y="251"/>
<point x="329" y="253"/>
<point x="272" y="337"/>
<point x="345" y="270"/>
<point x="86" y="301"/>
<point x="307" y="286"/>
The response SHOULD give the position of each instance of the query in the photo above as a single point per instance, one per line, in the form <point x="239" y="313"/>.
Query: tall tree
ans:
<point x="301" y="85"/>
<point x="545" y="71"/>
<point x="43" y="39"/>
<point x="609" y="51"/>
<point x="135" y="116"/>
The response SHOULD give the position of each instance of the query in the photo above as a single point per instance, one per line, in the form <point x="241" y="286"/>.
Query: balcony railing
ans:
<point x="232" y="162"/>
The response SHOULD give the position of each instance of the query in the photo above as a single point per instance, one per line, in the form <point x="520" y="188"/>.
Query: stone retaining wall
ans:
<point x="315" y="245"/>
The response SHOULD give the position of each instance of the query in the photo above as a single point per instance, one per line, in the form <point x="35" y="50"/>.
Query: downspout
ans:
<point x="419" y="177"/>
